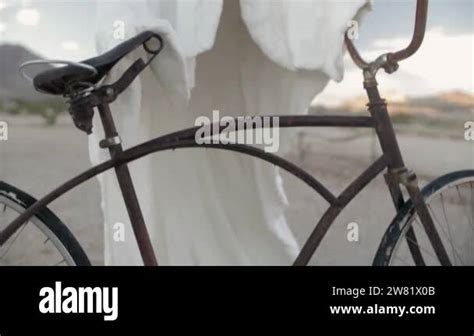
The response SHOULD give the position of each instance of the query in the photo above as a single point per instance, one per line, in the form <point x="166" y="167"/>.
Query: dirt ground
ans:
<point x="37" y="158"/>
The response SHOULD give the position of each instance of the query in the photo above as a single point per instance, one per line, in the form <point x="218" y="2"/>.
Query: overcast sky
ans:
<point x="65" y="29"/>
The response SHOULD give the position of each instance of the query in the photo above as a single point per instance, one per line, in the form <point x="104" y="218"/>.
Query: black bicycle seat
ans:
<point x="58" y="81"/>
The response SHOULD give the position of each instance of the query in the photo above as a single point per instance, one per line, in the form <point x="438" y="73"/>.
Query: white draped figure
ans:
<point x="247" y="57"/>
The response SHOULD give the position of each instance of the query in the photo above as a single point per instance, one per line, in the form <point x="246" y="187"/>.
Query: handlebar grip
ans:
<point x="418" y="34"/>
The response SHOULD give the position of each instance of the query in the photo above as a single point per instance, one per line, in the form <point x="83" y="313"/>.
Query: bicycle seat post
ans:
<point x="80" y="83"/>
<point x="113" y="143"/>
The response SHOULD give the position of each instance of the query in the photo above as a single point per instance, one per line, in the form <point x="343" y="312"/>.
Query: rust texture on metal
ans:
<point x="397" y="174"/>
<point x="186" y="139"/>
<point x="421" y="18"/>
<point x="331" y="214"/>
<point x="389" y="61"/>
<point x="128" y="191"/>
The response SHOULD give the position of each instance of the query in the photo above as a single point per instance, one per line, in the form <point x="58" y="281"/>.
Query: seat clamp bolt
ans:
<point x="110" y="142"/>
<point x="109" y="92"/>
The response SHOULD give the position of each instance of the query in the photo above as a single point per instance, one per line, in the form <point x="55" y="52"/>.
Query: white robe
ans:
<point x="256" y="57"/>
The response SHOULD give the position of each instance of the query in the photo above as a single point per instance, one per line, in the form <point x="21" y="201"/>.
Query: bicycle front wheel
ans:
<point x="43" y="241"/>
<point x="450" y="200"/>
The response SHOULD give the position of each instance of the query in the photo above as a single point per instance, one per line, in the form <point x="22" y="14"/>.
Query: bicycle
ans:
<point x="404" y="242"/>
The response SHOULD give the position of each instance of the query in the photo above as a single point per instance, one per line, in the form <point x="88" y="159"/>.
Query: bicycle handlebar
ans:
<point x="418" y="36"/>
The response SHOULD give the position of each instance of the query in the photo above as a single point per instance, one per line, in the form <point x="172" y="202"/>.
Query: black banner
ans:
<point x="113" y="300"/>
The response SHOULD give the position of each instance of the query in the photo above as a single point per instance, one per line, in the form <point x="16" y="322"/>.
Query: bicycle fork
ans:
<point x="398" y="175"/>
<point x="113" y="143"/>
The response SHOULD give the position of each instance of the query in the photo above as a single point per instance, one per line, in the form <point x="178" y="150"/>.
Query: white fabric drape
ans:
<point x="250" y="58"/>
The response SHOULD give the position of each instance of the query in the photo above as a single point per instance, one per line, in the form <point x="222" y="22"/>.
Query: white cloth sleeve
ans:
<point x="204" y="207"/>
<point x="302" y="34"/>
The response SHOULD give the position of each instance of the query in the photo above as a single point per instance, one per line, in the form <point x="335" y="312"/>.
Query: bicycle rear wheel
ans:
<point x="43" y="241"/>
<point x="450" y="200"/>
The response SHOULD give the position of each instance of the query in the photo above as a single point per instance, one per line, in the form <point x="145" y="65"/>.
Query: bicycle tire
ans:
<point x="48" y="223"/>
<point x="396" y="231"/>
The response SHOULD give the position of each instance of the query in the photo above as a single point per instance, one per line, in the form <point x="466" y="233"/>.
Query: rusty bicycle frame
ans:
<point x="391" y="160"/>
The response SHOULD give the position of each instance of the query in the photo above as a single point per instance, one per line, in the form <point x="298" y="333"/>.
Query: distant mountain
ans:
<point x="12" y="85"/>
<point x="441" y="105"/>
<point x="448" y="101"/>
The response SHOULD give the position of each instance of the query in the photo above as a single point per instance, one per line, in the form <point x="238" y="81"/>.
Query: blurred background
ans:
<point x="430" y="99"/>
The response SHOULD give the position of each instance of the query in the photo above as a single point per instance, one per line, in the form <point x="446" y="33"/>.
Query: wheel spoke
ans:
<point x="447" y="224"/>
<point x="445" y="216"/>
<point x="416" y="243"/>
<point x="448" y="236"/>
<point x="42" y="240"/>
<point x="463" y="206"/>
<point x="429" y="226"/>
<point x="414" y="248"/>
<point x="14" y="239"/>
<point x="403" y="260"/>
<point x="60" y="262"/>
<point x="439" y="223"/>
<point x="472" y="203"/>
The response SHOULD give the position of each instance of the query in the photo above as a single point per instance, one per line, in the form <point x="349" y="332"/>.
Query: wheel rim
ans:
<point x="50" y="238"/>
<point x="453" y="200"/>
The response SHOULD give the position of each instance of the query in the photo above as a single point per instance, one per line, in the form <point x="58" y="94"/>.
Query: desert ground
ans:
<point x="37" y="158"/>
